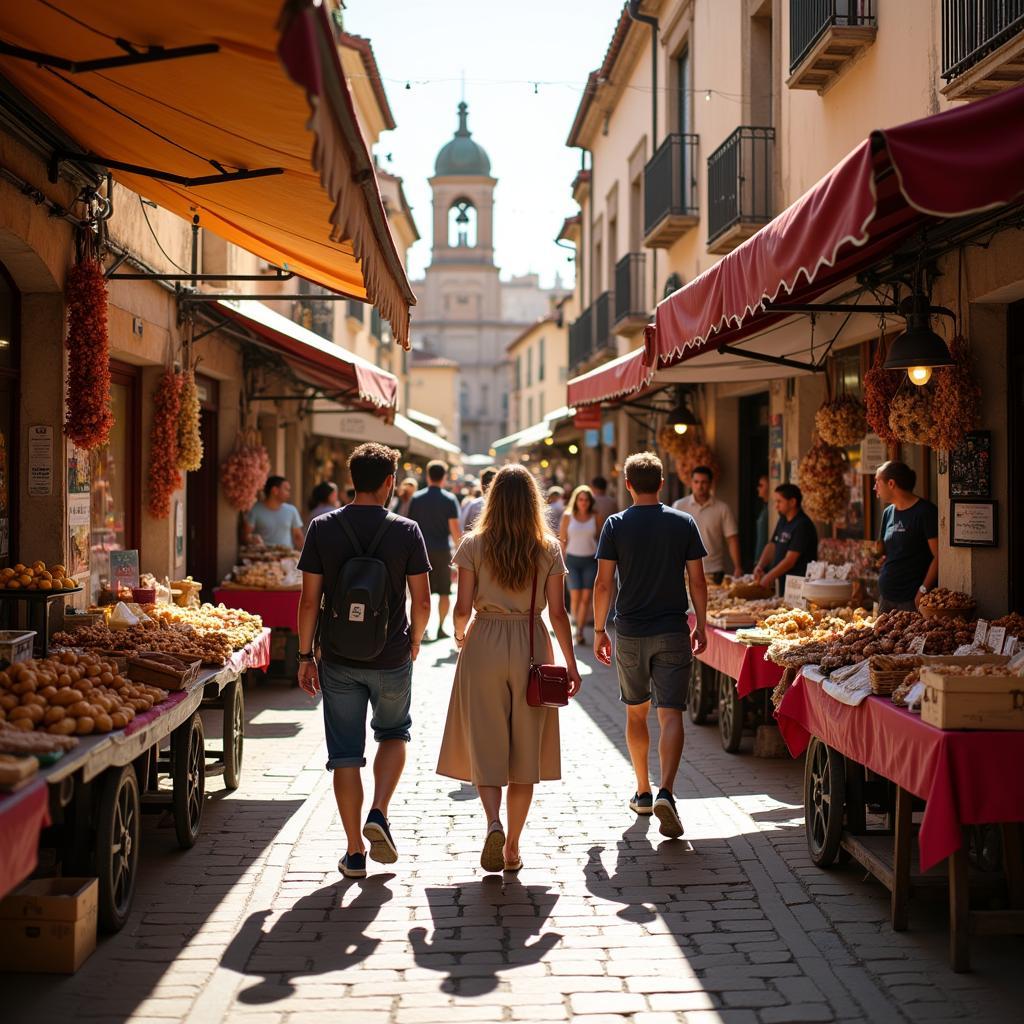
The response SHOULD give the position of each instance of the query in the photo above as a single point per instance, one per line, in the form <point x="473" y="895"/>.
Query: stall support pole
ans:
<point x="959" y="910"/>
<point x="904" y="828"/>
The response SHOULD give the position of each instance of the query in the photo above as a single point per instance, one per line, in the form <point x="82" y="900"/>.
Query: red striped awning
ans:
<point x="960" y="162"/>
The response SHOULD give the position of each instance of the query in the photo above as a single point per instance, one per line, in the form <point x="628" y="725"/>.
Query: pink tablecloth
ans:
<point x="746" y="664"/>
<point x="967" y="778"/>
<point x="23" y="815"/>
<point x="277" y="608"/>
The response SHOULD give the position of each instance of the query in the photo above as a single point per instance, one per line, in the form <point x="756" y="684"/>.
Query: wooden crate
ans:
<point x="972" y="702"/>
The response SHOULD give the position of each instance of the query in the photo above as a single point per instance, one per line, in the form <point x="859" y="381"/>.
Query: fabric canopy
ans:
<point x="960" y="162"/>
<point x="315" y="359"/>
<point x="421" y="441"/>
<point x="272" y="96"/>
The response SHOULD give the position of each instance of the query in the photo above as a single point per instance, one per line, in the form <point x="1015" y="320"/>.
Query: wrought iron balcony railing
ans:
<point x="670" y="190"/>
<point x="740" y="183"/>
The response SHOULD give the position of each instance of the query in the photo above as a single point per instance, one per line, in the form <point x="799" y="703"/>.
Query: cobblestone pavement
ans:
<point x="607" y="923"/>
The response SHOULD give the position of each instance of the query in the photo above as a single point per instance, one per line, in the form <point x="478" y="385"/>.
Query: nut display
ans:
<point x="947" y="600"/>
<point x="166" y="637"/>
<point x="35" y="577"/>
<point x="1012" y="623"/>
<point x="266" y="576"/>
<point x="72" y="694"/>
<point x="236" y="626"/>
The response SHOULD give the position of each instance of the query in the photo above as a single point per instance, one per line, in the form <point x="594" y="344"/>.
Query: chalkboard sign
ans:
<point x="970" y="466"/>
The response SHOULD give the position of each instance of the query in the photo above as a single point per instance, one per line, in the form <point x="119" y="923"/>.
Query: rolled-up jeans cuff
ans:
<point x="346" y="762"/>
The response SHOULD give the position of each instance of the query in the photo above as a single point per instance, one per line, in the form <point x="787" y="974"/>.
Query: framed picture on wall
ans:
<point x="972" y="524"/>
<point x="970" y="466"/>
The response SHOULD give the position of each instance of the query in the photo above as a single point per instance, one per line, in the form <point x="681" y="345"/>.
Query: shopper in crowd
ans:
<point x="383" y="683"/>
<point x="324" y="499"/>
<point x="577" y="534"/>
<point x="605" y="504"/>
<point x="761" y="523"/>
<point x="437" y="512"/>
<point x="908" y="539"/>
<point x="794" y="543"/>
<point x="717" y="525"/>
<point x="471" y="513"/>
<point x="273" y="521"/>
<point x="651" y="547"/>
<point x="493" y="738"/>
<point x="403" y="498"/>
<point x="556" y="506"/>
<point x="350" y="495"/>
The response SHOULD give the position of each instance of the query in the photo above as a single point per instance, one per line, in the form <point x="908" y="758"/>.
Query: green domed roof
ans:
<point x="463" y="156"/>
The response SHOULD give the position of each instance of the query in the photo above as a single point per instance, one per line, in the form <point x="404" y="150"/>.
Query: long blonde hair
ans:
<point x="581" y="490"/>
<point x="513" y="528"/>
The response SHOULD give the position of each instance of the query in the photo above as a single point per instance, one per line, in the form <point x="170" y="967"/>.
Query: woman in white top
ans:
<point x="578" y="534"/>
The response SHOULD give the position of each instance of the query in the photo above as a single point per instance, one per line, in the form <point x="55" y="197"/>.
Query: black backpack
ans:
<point x="354" y="618"/>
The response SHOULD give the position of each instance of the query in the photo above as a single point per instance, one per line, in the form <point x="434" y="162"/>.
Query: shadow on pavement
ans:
<point x="500" y="916"/>
<point x="319" y="934"/>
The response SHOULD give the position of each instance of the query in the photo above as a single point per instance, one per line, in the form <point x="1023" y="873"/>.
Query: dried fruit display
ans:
<point x="244" y="472"/>
<point x="166" y="637"/>
<point x="233" y="624"/>
<point x="190" y="441"/>
<point x="842" y="422"/>
<point x="825" y="496"/>
<point x="89" y="417"/>
<point x="1012" y="623"/>
<point x="912" y="415"/>
<point x="880" y="387"/>
<point x="164" y="477"/>
<point x="957" y="398"/>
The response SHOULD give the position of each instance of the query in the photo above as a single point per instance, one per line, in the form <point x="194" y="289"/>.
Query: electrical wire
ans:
<point x="145" y="215"/>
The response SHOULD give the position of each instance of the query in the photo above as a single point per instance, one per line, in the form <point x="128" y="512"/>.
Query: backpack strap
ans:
<point x="381" y="530"/>
<point x="346" y="526"/>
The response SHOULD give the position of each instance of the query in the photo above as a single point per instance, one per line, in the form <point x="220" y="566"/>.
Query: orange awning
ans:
<point x="272" y="96"/>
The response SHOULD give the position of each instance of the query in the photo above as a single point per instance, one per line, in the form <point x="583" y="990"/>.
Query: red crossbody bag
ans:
<point x="547" y="685"/>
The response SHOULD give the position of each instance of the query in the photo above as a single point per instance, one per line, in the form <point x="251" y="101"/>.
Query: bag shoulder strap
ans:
<point x="381" y="530"/>
<point x="347" y="527"/>
<point x="533" y="606"/>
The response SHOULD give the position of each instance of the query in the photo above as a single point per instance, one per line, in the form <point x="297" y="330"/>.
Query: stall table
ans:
<point x="742" y="670"/>
<point x="965" y="778"/>
<point x="23" y="816"/>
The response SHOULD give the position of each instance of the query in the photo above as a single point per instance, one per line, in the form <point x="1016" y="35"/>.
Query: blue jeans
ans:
<point x="346" y="693"/>
<point x="582" y="571"/>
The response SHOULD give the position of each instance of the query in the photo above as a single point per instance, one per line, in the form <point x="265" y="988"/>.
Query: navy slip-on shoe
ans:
<point x="382" y="846"/>
<point x="665" y="809"/>
<point x="642" y="803"/>
<point x="353" y="865"/>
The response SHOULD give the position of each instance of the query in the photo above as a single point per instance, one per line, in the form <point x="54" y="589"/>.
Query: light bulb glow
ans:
<point x="573" y="449"/>
<point x="549" y="440"/>
<point x="544" y="463"/>
<point x="680" y="428"/>
<point x="919" y="375"/>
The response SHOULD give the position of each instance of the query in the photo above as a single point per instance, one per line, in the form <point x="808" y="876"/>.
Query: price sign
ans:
<point x="996" y="638"/>
<point x="1010" y="646"/>
<point x="917" y="645"/>
<point x="793" y="595"/>
<point x="980" y="632"/>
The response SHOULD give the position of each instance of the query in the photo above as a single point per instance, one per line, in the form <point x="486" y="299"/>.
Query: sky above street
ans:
<point x="525" y="66"/>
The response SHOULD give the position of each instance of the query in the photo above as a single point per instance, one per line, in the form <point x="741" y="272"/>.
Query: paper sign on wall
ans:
<point x="40" y="461"/>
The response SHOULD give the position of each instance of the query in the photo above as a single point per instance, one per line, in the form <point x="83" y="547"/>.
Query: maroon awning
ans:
<point x="960" y="162"/>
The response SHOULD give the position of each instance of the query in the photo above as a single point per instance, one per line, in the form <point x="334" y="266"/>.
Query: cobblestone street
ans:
<point x="607" y="922"/>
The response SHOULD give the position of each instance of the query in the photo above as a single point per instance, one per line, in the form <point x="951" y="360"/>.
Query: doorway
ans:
<point x="1015" y="454"/>
<point x="753" y="413"/>
<point x="201" y="495"/>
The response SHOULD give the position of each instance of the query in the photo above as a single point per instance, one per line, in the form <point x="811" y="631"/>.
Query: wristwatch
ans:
<point x="303" y="658"/>
<point x="922" y="589"/>
<point x="596" y="630"/>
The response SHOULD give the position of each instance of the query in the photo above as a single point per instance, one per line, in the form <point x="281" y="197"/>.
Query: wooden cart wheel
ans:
<point x="234" y="734"/>
<point x="117" y="846"/>
<point x="824" y="802"/>
<point x="188" y="773"/>
<point x="730" y="714"/>
<point x="700" y="694"/>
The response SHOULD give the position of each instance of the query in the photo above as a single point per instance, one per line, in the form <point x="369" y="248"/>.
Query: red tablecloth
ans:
<point x="746" y="664"/>
<point x="23" y="815"/>
<point x="257" y="654"/>
<point x="967" y="778"/>
<point x="277" y="608"/>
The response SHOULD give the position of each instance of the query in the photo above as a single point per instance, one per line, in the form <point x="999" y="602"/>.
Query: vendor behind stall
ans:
<point x="908" y="539"/>
<point x="272" y="520"/>
<point x="794" y="543"/>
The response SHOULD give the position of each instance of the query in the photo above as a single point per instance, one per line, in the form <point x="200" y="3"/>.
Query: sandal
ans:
<point x="492" y="857"/>
<point x="516" y="865"/>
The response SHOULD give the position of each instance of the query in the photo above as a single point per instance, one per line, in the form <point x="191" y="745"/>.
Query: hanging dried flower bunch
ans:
<point x="842" y="422"/>
<point x="912" y="416"/>
<point x="190" y="441"/>
<point x="687" y="453"/>
<point x="164" y="477"/>
<point x="957" y="398"/>
<point x="89" y="416"/>
<point x="880" y="387"/>
<point x="244" y="472"/>
<point x="821" y="482"/>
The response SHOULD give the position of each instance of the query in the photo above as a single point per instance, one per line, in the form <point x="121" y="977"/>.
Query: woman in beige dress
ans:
<point x="492" y="737"/>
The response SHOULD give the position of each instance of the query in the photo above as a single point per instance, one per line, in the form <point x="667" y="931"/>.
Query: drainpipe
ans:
<point x="634" y="12"/>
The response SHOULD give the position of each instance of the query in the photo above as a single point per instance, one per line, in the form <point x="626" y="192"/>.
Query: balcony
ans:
<point x="670" y="191"/>
<point x="739" y="187"/>
<point x="376" y="325"/>
<point x="354" y="309"/>
<point x="631" y="313"/>
<point x="581" y="339"/>
<point x="982" y="47"/>
<point x="825" y="36"/>
<point x="604" y="317"/>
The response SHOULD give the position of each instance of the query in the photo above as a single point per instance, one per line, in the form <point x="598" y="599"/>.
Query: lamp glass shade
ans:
<point x="918" y="345"/>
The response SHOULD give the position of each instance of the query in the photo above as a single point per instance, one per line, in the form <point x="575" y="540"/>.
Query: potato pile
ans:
<point x="167" y="637"/>
<point x="36" y="577"/>
<point x="71" y="694"/>
<point x="238" y="627"/>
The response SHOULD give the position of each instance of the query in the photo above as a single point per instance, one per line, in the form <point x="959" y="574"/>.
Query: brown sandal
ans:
<point x="492" y="857"/>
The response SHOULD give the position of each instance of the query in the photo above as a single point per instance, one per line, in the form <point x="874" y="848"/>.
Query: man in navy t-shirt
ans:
<point x="653" y="549"/>
<point x="794" y="542"/>
<point x="909" y="538"/>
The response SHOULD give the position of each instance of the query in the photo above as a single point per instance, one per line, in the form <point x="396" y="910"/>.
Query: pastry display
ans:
<point x="35" y="577"/>
<point x="236" y="626"/>
<point x="20" y="742"/>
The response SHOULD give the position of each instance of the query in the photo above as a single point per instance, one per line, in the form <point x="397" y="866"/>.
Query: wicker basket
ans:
<point x="884" y="681"/>
<point x="947" y="613"/>
<point x="163" y="670"/>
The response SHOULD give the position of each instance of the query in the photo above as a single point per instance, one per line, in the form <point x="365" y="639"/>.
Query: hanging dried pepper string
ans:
<point x="164" y="477"/>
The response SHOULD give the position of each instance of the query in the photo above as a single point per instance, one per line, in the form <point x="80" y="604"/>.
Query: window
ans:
<point x="540" y="359"/>
<point x="462" y="225"/>
<point x="529" y="367"/>
<point x="485" y="395"/>
<point x="529" y="411"/>
<point x="682" y="63"/>
<point x="463" y="400"/>
<point x="519" y="373"/>
<point x="846" y="369"/>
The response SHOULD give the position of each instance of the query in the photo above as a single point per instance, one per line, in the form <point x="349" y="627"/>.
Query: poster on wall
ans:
<point x="78" y="469"/>
<point x="124" y="569"/>
<point x="972" y="524"/>
<point x="970" y="466"/>
<point x="78" y="534"/>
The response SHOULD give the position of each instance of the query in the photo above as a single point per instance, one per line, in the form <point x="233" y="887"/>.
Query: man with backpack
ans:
<point x="356" y="645"/>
